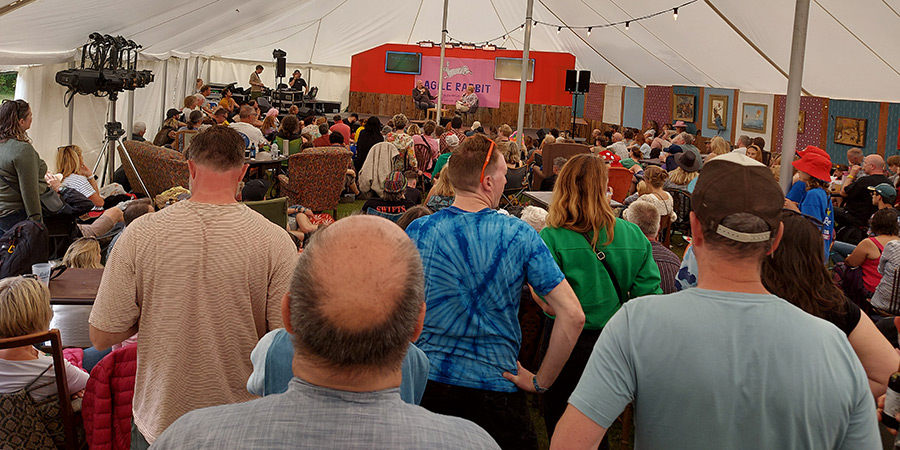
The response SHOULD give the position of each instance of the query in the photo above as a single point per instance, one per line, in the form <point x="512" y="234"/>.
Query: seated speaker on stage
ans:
<point x="297" y="82"/>
<point x="422" y="96"/>
<point x="468" y="102"/>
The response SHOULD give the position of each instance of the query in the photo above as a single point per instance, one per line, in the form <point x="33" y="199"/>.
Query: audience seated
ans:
<point x="814" y="170"/>
<point x="867" y="254"/>
<point x="794" y="272"/>
<point x="884" y="300"/>
<point x="76" y="174"/>
<point x="84" y="253"/>
<point x="133" y="210"/>
<point x="858" y="207"/>
<point x="393" y="200"/>
<point x="25" y="309"/>
<point x="651" y="191"/>
<point x="368" y="136"/>
<point x="454" y="128"/>
<point x="406" y="160"/>
<point x="646" y="217"/>
<point x="411" y="215"/>
<point x="246" y="126"/>
<point x="221" y="246"/>
<point x="342" y="128"/>
<point x="618" y="265"/>
<point x="471" y="332"/>
<point x="674" y="356"/>
<point x="351" y="330"/>
<point x="441" y="194"/>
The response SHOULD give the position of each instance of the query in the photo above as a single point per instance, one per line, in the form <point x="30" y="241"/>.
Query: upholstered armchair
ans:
<point x="316" y="177"/>
<point x="160" y="168"/>
<point x="551" y="152"/>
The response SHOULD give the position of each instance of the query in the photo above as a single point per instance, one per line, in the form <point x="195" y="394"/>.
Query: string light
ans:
<point x="626" y="25"/>
<point x="589" y="31"/>
<point x="675" y="14"/>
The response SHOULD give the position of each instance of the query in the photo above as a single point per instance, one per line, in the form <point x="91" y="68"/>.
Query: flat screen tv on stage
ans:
<point x="403" y="62"/>
<point x="510" y="69"/>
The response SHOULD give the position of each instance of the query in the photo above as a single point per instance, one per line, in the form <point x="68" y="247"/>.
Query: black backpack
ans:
<point x="26" y="243"/>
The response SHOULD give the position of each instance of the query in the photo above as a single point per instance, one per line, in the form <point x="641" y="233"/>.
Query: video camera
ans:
<point x="108" y="66"/>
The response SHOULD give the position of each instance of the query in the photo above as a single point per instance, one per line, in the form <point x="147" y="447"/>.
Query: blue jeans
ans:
<point x="9" y="221"/>
<point x="841" y="250"/>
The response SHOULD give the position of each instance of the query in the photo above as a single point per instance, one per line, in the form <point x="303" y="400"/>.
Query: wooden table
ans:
<point x="72" y="296"/>
<point x="431" y="113"/>
<point x="543" y="199"/>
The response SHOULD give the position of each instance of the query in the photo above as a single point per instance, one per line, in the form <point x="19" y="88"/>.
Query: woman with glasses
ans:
<point x="606" y="260"/>
<point x="24" y="173"/>
<point x="794" y="272"/>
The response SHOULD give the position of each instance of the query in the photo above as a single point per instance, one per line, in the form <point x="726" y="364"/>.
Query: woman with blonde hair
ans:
<point x="441" y="194"/>
<point x="606" y="260"/>
<point x="653" y="192"/>
<point x="717" y="146"/>
<point x="84" y="253"/>
<point x="754" y="152"/>
<point x="25" y="309"/>
<point x="76" y="174"/>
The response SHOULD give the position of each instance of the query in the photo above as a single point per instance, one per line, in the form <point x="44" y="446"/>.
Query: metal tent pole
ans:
<point x="523" y="84"/>
<point x="795" y="85"/>
<point x="440" y="92"/>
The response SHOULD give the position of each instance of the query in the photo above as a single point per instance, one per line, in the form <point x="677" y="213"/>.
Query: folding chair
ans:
<point x="681" y="204"/>
<point x="20" y="415"/>
<point x="274" y="209"/>
<point x="516" y="184"/>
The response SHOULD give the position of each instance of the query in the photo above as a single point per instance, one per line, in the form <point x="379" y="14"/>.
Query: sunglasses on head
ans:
<point x="487" y="161"/>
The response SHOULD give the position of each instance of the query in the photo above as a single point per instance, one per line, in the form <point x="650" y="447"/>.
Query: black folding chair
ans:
<point x="516" y="183"/>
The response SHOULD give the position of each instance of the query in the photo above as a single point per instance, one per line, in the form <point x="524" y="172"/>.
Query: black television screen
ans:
<point x="403" y="62"/>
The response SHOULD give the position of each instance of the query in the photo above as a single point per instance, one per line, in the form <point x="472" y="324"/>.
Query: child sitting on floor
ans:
<point x="25" y="309"/>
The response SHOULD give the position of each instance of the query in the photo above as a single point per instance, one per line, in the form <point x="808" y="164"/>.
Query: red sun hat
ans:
<point x="813" y="149"/>
<point x="815" y="164"/>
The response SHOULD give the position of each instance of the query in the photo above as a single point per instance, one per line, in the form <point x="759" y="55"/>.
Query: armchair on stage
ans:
<point x="316" y="177"/>
<point x="160" y="168"/>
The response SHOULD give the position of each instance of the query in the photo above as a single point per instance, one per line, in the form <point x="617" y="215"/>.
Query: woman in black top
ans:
<point x="369" y="136"/>
<point x="795" y="272"/>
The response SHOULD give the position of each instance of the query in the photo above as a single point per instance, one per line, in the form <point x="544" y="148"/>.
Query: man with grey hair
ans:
<point x="422" y="96"/>
<point x="619" y="146"/>
<point x="858" y="207"/>
<point x="743" y="141"/>
<point x="138" y="130"/>
<point x="647" y="218"/>
<point x="708" y="367"/>
<point x="351" y="330"/>
<point x="681" y="142"/>
<point x="548" y="183"/>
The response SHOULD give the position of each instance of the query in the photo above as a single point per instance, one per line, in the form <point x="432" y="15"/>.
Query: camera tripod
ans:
<point x="111" y="142"/>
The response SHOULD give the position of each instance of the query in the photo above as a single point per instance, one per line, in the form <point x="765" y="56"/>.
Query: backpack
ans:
<point x="850" y="280"/>
<point x="24" y="244"/>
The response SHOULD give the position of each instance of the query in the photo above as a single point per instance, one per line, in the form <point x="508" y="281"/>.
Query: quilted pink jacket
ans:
<point x="106" y="407"/>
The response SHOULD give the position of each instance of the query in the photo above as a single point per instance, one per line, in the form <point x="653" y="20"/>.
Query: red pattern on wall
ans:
<point x="814" y="107"/>
<point x="593" y="102"/>
<point x="658" y="101"/>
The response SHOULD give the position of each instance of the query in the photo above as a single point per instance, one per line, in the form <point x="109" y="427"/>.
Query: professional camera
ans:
<point x="108" y="66"/>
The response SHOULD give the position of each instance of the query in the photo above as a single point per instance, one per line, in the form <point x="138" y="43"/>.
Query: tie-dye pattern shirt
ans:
<point x="475" y="267"/>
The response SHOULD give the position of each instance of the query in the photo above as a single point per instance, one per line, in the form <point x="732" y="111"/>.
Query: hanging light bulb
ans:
<point x="627" y="25"/>
<point x="589" y="31"/>
<point x="675" y="14"/>
<point x="558" y="30"/>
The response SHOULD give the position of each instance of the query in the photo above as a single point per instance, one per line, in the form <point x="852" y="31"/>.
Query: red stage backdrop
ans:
<point x="548" y="88"/>
<point x="460" y="73"/>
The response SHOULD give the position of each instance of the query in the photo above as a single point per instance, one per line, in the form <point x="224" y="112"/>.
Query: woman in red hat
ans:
<point x="815" y="171"/>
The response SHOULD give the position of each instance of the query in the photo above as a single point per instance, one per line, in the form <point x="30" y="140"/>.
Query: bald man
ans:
<point x="351" y="330"/>
<point x="858" y="207"/>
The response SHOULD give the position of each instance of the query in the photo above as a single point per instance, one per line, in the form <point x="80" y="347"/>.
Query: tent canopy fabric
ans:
<point x="851" y="48"/>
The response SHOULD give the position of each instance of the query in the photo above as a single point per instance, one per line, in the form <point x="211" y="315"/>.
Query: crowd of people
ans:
<point x="408" y="332"/>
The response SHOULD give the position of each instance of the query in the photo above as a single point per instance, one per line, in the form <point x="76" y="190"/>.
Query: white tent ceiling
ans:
<point x="851" y="49"/>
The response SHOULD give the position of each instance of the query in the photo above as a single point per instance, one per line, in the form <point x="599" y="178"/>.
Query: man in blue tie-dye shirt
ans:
<point x="476" y="262"/>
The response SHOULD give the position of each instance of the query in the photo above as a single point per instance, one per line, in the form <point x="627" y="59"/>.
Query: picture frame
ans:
<point x="754" y="117"/>
<point x="802" y="123"/>
<point x="683" y="108"/>
<point x="850" y="131"/>
<point x="718" y="107"/>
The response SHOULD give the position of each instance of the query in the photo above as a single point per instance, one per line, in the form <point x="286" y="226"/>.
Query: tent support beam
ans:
<point x="70" y="130"/>
<point x="523" y="82"/>
<point x="795" y="81"/>
<point x="162" y="102"/>
<point x="759" y="50"/>
<point x="440" y="92"/>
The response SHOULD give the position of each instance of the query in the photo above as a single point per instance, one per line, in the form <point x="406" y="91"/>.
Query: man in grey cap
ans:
<point x="883" y="195"/>
<point x="726" y="362"/>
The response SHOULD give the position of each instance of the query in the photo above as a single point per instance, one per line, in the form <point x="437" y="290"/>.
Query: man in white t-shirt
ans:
<point x="741" y="145"/>
<point x="203" y="281"/>
<point x="725" y="364"/>
<point x="619" y="146"/>
<point x="245" y="126"/>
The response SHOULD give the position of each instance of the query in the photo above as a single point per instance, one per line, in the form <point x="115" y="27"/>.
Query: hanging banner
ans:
<point x="459" y="73"/>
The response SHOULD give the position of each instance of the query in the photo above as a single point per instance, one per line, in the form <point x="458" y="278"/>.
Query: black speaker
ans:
<point x="305" y="112"/>
<point x="280" y="67"/>
<point x="571" y="76"/>
<point x="584" y="81"/>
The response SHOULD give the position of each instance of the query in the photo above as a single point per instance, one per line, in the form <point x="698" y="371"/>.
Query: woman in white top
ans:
<point x="76" y="175"/>
<point x="651" y="190"/>
<point x="887" y="267"/>
<point x="25" y="309"/>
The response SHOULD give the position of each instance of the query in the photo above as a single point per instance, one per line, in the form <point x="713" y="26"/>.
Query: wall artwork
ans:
<point x="753" y="117"/>
<point x="802" y="122"/>
<point x="684" y="108"/>
<point x="850" y="131"/>
<point x="718" y="109"/>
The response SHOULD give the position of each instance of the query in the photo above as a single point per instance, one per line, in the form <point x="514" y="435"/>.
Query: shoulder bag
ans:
<point x="601" y="256"/>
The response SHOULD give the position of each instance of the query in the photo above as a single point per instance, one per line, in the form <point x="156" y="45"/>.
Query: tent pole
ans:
<point x="441" y="69"/>
<point x="165" y="74"/>
<point x="523" y="84"/>
<point x="129" y="116"/>
<point x="71" y="128"/>
<point x="795" y="85"/>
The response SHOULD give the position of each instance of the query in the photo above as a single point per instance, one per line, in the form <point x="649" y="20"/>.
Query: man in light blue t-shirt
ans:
<point x="476" y="262"/>
<point x="726" y="364"/>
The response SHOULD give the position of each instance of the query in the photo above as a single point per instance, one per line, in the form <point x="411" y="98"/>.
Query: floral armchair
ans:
<point x="316" y="177"/>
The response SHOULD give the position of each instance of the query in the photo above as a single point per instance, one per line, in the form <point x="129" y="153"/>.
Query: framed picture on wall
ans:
<point x="802" y="122"/>
<point x="718" y="112"/>
<point x="683" y="108"/>
<point x="850" y="131"/>
<point x="753" y="117"/>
